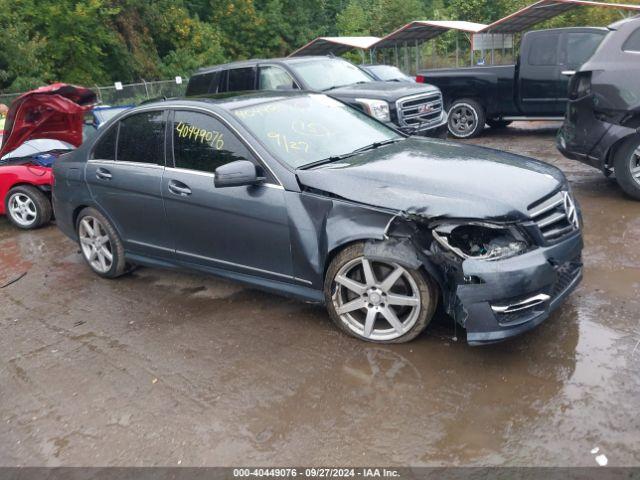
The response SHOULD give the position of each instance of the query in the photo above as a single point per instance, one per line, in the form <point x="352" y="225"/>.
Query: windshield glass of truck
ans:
<point x="306" y="129"/>
<point x="330" y="73"/>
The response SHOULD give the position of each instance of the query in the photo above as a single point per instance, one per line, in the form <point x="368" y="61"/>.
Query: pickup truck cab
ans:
<point x="535" y="88"/>
<point x="412" y="108"/>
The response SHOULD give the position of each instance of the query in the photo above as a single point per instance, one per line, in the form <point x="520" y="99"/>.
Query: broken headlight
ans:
<point x="481" y="241"/>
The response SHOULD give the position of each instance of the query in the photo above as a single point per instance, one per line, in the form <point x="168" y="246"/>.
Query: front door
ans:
<point x="125" y="178"/>
<point x="244" y="229"/>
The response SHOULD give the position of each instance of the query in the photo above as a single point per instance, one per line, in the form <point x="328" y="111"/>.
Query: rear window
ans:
<point x="632" y="44"/>
<point x="241" y="79"/>
<point x="141" y="138"/>
<point x="544" y="50"/>
<point x="106" y="147"/>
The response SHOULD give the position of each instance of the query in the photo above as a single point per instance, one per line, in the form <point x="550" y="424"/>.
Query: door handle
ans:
<point x="568" y="73"/>
<point x="103" y="174"/>
<point x="179" y="188"/>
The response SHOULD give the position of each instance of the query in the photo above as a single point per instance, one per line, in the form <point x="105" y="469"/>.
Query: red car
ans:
<point x="40" y="126"/>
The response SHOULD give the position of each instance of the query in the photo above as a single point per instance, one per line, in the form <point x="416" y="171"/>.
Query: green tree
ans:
<point x="354" y="20"/>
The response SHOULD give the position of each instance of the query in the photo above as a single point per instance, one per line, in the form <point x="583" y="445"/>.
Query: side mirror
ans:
<point x="236" y="174"/>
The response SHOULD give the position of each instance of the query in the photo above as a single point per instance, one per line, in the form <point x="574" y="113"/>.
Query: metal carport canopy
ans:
<point x="423" y="30"/>
<point x="544" y="10"/>
<point x="335" y="45"/>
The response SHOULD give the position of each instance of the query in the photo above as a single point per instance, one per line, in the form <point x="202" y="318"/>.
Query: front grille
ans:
<point x="556" y="216"/>
<point x="420" y="111"/>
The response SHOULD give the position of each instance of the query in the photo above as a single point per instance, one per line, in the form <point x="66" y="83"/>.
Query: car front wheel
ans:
<point x="27" y="207"/>
<point x="627" y="167"/>
<point x="101" y="247"/>
<point x="378" y="301"/>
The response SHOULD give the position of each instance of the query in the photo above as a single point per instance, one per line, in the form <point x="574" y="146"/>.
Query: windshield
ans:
<point x="329" y="73"/>
<point x="387" y="72"/>
<point x="302" y="130"/>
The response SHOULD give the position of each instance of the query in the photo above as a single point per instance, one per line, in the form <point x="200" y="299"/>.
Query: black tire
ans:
<point x="117" y="265"/>
<point x="626" y="163"/>
<point x="498" y="124"/>
<point x="466" y="118"/>
<point x="39" y="204"/>
<point x="427" y="292"/>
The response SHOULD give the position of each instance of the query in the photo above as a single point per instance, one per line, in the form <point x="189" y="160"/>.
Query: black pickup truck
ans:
<point x="413" y="108"/>
<point x="535" y="88"/>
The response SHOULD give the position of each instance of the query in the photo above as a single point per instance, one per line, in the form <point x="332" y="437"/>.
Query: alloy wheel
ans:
<point x="22" y="209"/>
<point x="463" y="120"/>
<point x="95" y="244"/>
<point x="376" y="300"/>
<point x="634" y="165"/>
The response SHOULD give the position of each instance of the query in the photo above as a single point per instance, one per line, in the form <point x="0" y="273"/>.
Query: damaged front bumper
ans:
<point x="495" y="300"/>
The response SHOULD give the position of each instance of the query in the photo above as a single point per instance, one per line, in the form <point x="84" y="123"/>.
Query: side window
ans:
<point x="141" y="138"/>
<point x="203" y="143"/>
<point x="275" y="78"/>
<point x="580" y="47"/>
<point x="105" y="149"/>
<point x="241" y="79"/>
<point x="632" y="44"/>
<point x="199" y="84"/>
<point x="544" y="50"/>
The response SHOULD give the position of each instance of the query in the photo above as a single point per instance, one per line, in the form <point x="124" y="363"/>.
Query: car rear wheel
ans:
<point x="101" y="247"/>
<point x="498" y="123"/>
<point x="627" y="167"/>
<point x="378" y="301"/>
<point x="466" y="118"/>
<point x="27" y="207"/>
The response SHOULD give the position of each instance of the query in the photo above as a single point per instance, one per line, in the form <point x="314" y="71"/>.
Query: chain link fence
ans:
<point x="131" y="94"/>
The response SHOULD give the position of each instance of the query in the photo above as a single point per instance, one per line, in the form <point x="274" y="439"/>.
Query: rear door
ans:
<point x="124" y="175"/>
<point x="541" y="84"/>
<point x="579" y="46"/>
<point x="243" y="229"/>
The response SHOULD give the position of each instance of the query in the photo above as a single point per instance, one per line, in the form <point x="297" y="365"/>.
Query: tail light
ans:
<point x="420" y="79"/>
<point x="580" y="85"/>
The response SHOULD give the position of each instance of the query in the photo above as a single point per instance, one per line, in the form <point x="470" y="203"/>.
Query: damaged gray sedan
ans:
<point x="302" y="195"/>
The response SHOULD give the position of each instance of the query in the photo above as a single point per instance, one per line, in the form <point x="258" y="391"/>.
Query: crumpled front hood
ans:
<point x="53" y="112"/>
<point x="436" y="178"/>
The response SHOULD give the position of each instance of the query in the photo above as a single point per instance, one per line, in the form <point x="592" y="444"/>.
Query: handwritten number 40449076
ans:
<point x="215" y="139"/>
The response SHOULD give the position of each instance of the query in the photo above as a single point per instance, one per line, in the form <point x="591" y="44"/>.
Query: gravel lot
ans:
<point x="168" y="368"/>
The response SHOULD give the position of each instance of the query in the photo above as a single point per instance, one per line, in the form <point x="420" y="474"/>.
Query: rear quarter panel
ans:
<point x="10" y="176"/>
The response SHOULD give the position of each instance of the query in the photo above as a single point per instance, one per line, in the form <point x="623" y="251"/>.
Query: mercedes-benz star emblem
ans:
<point x="571" y="210"/>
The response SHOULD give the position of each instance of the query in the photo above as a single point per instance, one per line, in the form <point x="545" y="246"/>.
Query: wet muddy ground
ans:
<point x="168" y="368"/>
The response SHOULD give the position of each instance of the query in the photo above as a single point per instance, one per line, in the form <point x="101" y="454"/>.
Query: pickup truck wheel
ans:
<point x="378" y="301"/>
<point x="466" y="118"/>
<point x="498" y="123"/>
<point x="627" y="167"/>
<point x="27" y="207"/>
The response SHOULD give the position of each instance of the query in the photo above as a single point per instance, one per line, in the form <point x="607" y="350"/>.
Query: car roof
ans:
<point x="256" y="61"/>
<point x="227" y="101"/>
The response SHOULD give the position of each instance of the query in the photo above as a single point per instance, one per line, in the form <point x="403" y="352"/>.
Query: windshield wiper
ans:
<point x="375" y="145"/>
<point x="335" y="158"/>
<point x="345" y="85"/>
